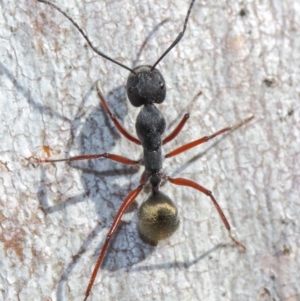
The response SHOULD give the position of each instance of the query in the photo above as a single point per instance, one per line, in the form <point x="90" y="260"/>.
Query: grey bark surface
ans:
<point x="244" y="57"/>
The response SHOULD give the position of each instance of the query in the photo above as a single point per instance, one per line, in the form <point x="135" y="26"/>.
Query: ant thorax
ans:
<point x="150" y="126"/>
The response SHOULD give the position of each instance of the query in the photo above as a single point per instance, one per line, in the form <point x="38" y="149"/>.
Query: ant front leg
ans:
<point x="113" y="118"/>
<point x="177" y="130"/>
<point x="204" y="139"/>
<point x="189" y="183"/>
<point x="181" y="124"/>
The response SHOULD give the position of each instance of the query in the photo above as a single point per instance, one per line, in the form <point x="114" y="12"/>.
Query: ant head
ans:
<point x="145" y="86"/>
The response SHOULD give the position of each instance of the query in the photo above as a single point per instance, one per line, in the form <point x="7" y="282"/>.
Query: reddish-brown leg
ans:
<point x="130" y="198"/>
<point x="122" y="130"/>
<point x="189" y="183"/>
<point x="181" y="124"/>
<point x="113" y="157"/>
<point x="177" y="130"/>
<point x="206" y="138"/>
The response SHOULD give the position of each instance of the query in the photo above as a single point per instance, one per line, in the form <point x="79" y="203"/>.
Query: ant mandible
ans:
<point x="158" y="218"/>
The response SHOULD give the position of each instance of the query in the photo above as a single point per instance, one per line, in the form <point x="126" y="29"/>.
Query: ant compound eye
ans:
<point x="130" y="90"/>
<point x="161" y="85"/>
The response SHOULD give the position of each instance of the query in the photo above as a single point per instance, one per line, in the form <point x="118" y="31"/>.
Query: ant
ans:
<point x="158" y="216"/>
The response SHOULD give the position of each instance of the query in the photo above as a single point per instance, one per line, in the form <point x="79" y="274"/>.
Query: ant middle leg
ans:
<point x="112" y="157"/>
<point x="204" y="139"/>
<point x="189" y="183"/>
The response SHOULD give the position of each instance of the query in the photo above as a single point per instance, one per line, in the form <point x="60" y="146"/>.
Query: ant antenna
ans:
<point x="179" y="37"/>
<point x="85" y="36"/>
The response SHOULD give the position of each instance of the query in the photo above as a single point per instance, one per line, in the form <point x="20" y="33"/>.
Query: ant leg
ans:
<point x="113" y="157"/>
<point x="206" y="138"/>
<point x="189" y="183"/>
<point x="181" y="124"/>
<point x="177" y="130"/>
<point x="127" y="202"/>
<point x="113" y="118"/>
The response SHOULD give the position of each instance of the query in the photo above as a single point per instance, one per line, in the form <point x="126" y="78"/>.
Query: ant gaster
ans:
<point x="158" y="218"/>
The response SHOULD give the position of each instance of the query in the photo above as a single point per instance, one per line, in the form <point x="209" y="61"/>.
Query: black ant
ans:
<point x="158" y="218"/>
